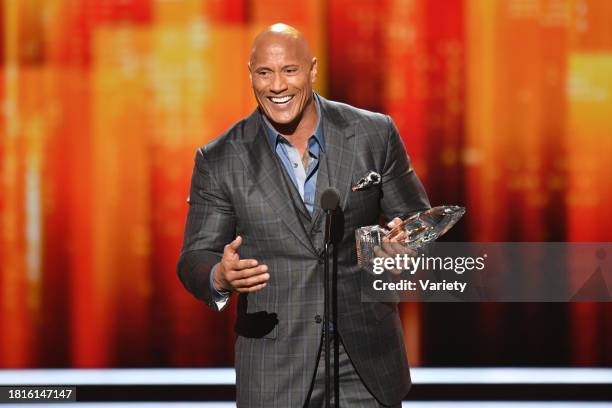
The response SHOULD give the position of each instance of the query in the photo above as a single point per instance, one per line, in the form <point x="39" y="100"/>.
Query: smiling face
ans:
<point x="282" y="72"/>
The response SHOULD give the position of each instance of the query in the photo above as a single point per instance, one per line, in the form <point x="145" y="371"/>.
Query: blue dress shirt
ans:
<point x="304" y="179"/>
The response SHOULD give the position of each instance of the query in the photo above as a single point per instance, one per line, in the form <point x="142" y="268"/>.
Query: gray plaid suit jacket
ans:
<point x="237" y="188"/>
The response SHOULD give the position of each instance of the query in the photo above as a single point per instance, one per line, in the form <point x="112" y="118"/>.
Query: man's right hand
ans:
<point x="239" y="275"/>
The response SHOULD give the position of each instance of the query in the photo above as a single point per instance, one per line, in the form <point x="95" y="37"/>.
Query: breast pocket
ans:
<point x="363" y="207"/>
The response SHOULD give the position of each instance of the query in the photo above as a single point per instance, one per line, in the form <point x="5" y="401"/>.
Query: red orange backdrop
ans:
<point x="504" y="106"/>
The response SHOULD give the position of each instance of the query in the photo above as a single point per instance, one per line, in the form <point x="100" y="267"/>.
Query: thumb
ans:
<point x="233" y="246"/>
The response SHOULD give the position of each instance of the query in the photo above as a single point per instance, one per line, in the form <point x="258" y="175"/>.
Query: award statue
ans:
<point x="415" y="231"/>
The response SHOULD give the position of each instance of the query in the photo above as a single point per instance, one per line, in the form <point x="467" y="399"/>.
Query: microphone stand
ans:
<point x="334" y="299"/>
<point x="330" y="315"/>
<point x="327" y="326"/>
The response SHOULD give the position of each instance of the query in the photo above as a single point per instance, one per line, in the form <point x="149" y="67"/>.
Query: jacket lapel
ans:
<point x="339" y="149"/>
<point x="265" y="170"/>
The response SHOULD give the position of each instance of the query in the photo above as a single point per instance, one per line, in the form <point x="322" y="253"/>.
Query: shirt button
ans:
<point x="295" y="165"/>
<point x="318" y="319"/>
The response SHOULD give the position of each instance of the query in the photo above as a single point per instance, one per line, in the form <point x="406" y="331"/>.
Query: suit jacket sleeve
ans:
<point x="402" y="191"/>
<point x="211" y="224"/>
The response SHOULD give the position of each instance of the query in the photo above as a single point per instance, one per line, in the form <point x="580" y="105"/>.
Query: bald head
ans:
<point x="280" y="36"/>
<point x="282" y="71"/>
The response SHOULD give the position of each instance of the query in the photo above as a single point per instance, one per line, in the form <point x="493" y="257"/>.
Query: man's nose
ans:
<point x="278" y="84"/>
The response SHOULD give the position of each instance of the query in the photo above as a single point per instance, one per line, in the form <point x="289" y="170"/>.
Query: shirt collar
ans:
<point x="274" y="136"/>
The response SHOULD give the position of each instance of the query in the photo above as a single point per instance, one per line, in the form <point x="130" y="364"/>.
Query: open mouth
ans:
<point x="280" y="100"/>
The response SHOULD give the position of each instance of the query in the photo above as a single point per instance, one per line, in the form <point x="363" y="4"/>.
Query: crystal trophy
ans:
<point x="416" y="231"/>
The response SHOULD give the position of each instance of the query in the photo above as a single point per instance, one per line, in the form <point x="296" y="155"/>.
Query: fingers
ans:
<point x="394" y="222"/>
<point x="237" y="265"/>
<point x="380" y="253"/>
<point x="397" y="232"/>
<point x="241" y="264"/>
<point x="394" y="248"/>
<point x="249" y="272"/>
<point x="251" y="289"/>
<point x="254" y="279"/>
<point x="397" y="235"/>
<point x="247" y="275"/>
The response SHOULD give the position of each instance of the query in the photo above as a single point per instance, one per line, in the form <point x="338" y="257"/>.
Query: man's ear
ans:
<point x="313" y="70"/>
<point x="250" y="74"/>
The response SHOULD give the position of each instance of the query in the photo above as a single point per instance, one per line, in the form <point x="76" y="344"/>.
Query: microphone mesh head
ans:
<point x="330" y="199"/>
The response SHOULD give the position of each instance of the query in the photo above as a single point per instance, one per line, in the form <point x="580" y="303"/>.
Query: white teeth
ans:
<point x="284" y="99"/>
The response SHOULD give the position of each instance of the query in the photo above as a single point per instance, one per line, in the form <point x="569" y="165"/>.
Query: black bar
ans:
<point x="419" y="392"/>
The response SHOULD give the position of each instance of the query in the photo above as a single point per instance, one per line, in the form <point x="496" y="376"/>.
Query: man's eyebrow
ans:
<point x="265" y="67"/>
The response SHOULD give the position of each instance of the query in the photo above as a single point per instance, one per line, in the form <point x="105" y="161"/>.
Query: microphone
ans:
<point x="330" y="198"/>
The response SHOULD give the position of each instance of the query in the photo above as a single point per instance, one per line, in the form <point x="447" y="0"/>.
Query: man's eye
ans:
<point x="264" y="73"/>
<point x="291" y="70"/>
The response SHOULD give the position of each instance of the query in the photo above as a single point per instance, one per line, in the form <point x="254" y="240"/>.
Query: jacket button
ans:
<point x="318" y="319"/>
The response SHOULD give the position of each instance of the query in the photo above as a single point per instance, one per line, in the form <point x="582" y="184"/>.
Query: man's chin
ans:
<point x="281" y="119"/>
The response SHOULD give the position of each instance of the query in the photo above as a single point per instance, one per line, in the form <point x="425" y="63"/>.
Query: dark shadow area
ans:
<point x="254" y="325"/>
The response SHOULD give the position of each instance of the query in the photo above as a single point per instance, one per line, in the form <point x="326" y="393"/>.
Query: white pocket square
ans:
<point x="372" y="178"/>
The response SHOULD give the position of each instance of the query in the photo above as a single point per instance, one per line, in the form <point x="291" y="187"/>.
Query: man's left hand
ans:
<point x="393" y="243"/>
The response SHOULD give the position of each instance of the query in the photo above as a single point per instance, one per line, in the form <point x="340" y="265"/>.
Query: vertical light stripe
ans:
<point x="480" y="117"/>
<point x="15" y="338"/>
<point x="33" y="227"/>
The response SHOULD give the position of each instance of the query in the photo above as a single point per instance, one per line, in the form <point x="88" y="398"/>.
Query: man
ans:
<point x="255" y="229"/>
